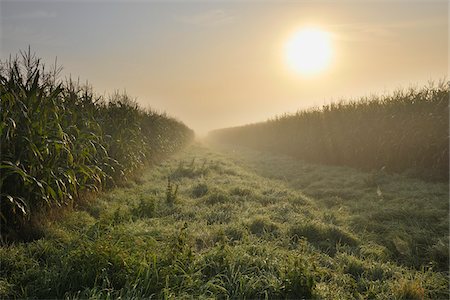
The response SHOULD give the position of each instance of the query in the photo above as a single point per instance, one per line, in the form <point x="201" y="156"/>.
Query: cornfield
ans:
<point x="59" y="139"/>
<point x="407" y="131"/>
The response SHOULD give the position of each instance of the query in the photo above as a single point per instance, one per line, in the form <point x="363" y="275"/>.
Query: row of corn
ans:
<point x="58" y="139"/>
<point x="406" y="131"/>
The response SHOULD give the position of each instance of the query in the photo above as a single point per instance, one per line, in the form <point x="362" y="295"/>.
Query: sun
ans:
<point x="308" y="51"/>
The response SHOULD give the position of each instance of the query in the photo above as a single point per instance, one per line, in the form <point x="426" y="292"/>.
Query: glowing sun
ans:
<point x="308" y="51"/>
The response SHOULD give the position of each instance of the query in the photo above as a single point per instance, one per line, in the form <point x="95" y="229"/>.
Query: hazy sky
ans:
<point x="219" y="64"/>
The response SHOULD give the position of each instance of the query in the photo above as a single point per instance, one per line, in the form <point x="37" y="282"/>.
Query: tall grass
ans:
<point x="58" y="139"/>
<point x="405" y="131"/>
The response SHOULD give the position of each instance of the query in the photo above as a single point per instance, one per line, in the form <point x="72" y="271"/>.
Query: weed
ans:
<point x="171" y="194"/>
<point x="188" y="171"/>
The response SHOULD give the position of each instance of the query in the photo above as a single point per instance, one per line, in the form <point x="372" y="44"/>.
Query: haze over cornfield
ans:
<point x="240" y="149"/>
<point x="217" y="65"/>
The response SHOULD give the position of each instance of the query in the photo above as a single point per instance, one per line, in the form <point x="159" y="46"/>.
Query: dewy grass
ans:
<point x="131" y="243"/>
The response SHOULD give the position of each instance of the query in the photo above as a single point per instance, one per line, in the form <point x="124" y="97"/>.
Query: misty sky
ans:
<point x="221" y="64"/>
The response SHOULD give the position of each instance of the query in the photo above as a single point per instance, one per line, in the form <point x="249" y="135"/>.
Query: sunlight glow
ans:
<point x="308" y="51"/>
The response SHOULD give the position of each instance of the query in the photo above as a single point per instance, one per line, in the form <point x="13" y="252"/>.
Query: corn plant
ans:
<point x="59" y="139"/>
<point x="405" y="131"/>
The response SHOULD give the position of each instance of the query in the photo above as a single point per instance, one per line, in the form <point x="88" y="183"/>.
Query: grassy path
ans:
<point x="407" y="216"/>
<point x="236" y="223"/>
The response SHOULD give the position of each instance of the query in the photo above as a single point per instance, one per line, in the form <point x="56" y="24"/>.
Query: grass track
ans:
<point x="239" y="223"/>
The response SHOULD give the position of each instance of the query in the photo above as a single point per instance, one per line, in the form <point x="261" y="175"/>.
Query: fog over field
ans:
<point x="223" y="64"/>
<point x="224" y="149"/>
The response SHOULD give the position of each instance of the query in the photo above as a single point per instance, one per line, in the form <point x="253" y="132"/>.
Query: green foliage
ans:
<point x="407" y="131"/>
<point x="58" y="140"/>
